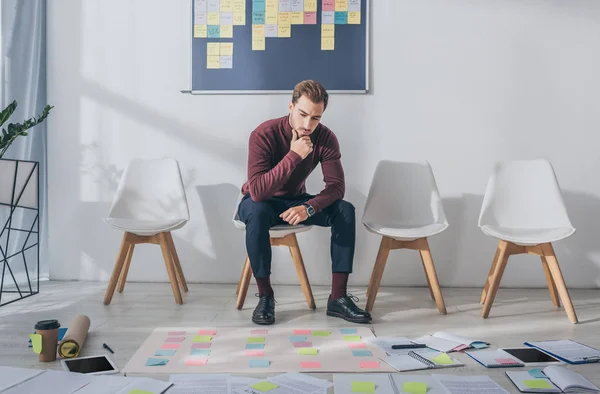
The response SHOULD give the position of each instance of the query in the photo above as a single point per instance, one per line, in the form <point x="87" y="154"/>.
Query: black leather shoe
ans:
<point x="264" y="313"/>
<point x="346" y="309"/>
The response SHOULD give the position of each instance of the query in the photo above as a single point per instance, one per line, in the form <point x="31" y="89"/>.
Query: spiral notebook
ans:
<point x="416" y="360"/>
<point x="495" y="359"/>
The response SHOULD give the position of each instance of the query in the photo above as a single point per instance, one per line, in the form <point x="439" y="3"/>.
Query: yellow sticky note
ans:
<point x="537" y="384"/>
<point x="310" y="5"/>
<point x="226" y="31"/>
<point x="226" y="49"/>
<point x="214" y="18"/>
<point x="212" y="49"/>
<point x="226" y="5"/>
<point x="239" y="6"/>
<point x="200" y="31"/>
<point x="308" y="351"/>
<point x="297" y="18"/>
<point x="414" y="388"/>
<point x="138" y="391"/>
<point x="239" y="18"/>
<point x="258" y="44"/>
<point x="256" y="339"/>
<point x="363" y="387"/>
<point x="285" y="18"/>
<point x="271" y="17"/>
<point x="284" y="31"/>
<point x="443" y="359"/>
<point x="352" y="338"/>
<point x="207" y="338"/>
<point x="327" y="30"/>
<point x="264" y="386"/>
<point x="36" y="341"/>
<point x="354" y="18"/>
<point x="341" y="5"/>
<point x="272" y="6"/>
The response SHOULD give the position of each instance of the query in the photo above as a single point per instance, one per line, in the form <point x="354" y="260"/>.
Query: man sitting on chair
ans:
<point x="282" y="154"/>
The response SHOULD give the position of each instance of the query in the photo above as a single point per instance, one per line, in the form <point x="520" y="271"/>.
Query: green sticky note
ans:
<point x="264" y="386"/>
<point x="256" y="339"/>
<point x="138" y="391"/>
<point x="308" y="351"/>
<point x="352" y="338"/>
<point x="201" y="338"/>
<point x="363" y="387"/>
<point x="415" y="388"/>
<point x="443" y="359"/>
<point x="537" y="384"/>
<point x="36" y="341"/>
<point x="321" y="333"/>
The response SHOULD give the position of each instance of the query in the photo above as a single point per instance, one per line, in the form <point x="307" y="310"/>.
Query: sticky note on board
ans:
<point x="414" y="387"/>
<point x="321" y="333"/>
<point x="310" y="18"/>
<point x="341" y="17"/>
<point x="213" y="49"/>
<point x="297" y="18"/>
<point x="226" y="31"/>
<point x="537" y="384"/>
<point x="36" y="341"/>
<point x="226" y="5"/>
<point x="363" y="387"/>
<point x="328" y="5"/>
<point x="259" y="363"/>
<point x="202" y="338"/>
<point x="362" y="353"/>
<point x="200" y="31"/>
<point x="341" y="5"/>
<point x="327" y="30"/>
<point x="153" y="362"/>
<point x="443" y="359"/>
<point x="284" y="31"/>
<point x="227" y="50"/>
<point x="239" y="19"/>
<point x="264" y="386"/>
<point x="354" y="18"/>
<point x="308" y="351"/>
<point x="310" y="5"/>
<point x="214" y="18"/>
<point x="352" y="338"/>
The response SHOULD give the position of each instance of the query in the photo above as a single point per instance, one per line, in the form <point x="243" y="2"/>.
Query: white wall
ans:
<point x="459" y="83"/>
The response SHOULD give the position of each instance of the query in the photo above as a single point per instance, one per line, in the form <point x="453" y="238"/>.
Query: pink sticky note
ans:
<point x="202" y="345"/>
<point x="302" y="344"/>
<point x="369" y="364"/>
<point x="506" y="361"/>
<point x="175" y="339"/>
<point x="357" y="345"/>
<point x="310" y="364"/>
<point x="328" y="5"/>
<point x="310" y="18"/>
<point x="460" y="347"/>
<point x="196" y="361"/>
<point x="258" y="332"/>
<point x="170" y="346"/>
<point x="176" y="333"/>
<point x="207" y="332"/>
<point x="301" y="332"/>
<point x="255" y="352"/>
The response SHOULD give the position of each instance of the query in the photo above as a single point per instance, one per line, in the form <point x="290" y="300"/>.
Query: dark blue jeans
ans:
<point x="261" y="216"/>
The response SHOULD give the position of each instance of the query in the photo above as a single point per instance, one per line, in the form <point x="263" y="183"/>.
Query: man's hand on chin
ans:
<point x="295" y="215"/>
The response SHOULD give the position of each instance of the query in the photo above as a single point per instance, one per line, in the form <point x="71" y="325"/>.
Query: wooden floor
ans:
<point x="517" y="316"/>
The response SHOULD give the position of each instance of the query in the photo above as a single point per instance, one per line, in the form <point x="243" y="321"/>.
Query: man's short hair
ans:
<point x="313" y="90"/>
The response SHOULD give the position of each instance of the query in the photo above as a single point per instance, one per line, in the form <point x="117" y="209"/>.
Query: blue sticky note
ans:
<point x="479" y="345"/>
<point x="200" y="352"/>
<point x="347" y="331"/>
<point x="537" y="373"/>
<point x="151" y="362"/>
<point x="258" y="17"/>
<point x="259" y="363"/>
<point x="164" y="352"/>
<point x="297" y="338"/>
<point x="362" y="353"/>
<point x="214" y="31"/>
<point x="258" y="5"/>
<point x="341" y="17"/>
<point x="255" y="346"/>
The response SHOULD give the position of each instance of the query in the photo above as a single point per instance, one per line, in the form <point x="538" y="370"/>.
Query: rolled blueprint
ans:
<point x="74" y="338"/>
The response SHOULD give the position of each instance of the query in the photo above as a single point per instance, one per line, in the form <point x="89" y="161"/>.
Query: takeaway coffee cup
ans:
<point x="48" y="329"/>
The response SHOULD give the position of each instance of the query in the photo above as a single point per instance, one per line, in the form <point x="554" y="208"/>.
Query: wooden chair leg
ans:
<point x="551" y="285"/>
<point x="301" y="271"/>
<point x="378" y="268"/>
<point x="496" y="277"/>
<point x="125" y="270"/>
<point x="557" y="276"/>
<point x="176" y="263"/>
<point x="432" y="276"/>
<point x="427" y="277"/>
<point x="244" y="283"/>
<point x="246" y="262"/>
<point x="489" y="278"/>
<point x="112" y="284"/>
<point x="166" y="252"/>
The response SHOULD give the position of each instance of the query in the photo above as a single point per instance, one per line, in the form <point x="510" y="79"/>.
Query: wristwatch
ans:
<point x="309" y="210"/>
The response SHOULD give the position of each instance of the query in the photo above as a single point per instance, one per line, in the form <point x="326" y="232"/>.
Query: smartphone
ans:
<point x="91" y="365"/>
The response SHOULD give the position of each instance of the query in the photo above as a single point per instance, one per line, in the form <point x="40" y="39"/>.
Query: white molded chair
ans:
<point x="281" y="235"/>
<point x="405" y="208"/>
<point x="149" y="204"/>
<point x="523" y="207"/>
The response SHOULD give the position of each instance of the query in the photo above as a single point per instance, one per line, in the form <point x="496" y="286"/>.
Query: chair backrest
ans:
<point x="523" y="194"/>
<point x="404" y="193"/>
<point x="151" y="189"/>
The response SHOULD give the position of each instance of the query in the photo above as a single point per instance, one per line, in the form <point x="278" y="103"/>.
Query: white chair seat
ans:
<point x="528" y="236"/>
<point x="403" y="232"/>
<point x="145" y="227"/>
<point x="279" y="231"/>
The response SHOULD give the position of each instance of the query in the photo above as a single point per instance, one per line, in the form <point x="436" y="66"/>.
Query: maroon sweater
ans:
<point x="275" y="170"/>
